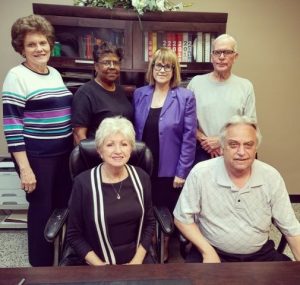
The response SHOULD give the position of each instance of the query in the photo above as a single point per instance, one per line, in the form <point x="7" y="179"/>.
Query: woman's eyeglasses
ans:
<point x="109" y="63"/>
<point x="166" y="67"/>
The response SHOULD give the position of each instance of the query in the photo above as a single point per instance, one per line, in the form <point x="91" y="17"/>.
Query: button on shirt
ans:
<point x="236" y="220"/>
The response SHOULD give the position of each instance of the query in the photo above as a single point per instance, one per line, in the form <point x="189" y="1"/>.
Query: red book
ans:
<point x="179" y="46"/>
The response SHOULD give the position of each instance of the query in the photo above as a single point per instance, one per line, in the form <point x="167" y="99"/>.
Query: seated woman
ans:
<point x="111" y="218"/>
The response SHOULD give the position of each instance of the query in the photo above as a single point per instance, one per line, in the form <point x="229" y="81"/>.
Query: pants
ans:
<point x="52" y="191"/>
<point x="201" y="154"/>
<point x="266" y="253"/>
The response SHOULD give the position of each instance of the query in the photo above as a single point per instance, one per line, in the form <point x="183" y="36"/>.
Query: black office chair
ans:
<point x="85" y="156"/>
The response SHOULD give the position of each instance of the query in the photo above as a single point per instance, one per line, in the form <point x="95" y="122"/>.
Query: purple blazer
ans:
<point x="177" y="128"/>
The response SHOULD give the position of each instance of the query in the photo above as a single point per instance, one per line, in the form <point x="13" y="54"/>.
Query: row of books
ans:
<point x="189" y="47"/>
<point x="86" y="43"/>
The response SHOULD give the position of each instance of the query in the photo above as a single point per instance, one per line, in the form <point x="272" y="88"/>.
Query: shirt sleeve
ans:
<point x="81" y="108"/>
<point x="75" y="235"/>
<point x="250" y="109"/>
<point x="14" y="101"/>
<point x="188" y="146"/>
<point x="282" y="211"/>
<point x="189" y="202"/>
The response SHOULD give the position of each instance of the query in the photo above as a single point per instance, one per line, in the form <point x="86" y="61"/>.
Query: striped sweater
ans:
<point x="36" y="112"/>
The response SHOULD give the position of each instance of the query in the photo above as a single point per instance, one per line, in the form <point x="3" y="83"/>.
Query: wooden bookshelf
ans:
<point x="78" y="28"/>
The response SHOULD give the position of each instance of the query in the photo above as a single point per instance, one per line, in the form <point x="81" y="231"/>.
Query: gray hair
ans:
<point x="240" y="120"/>
<point x="228" y="38"/>
<point x="114" y="125"/>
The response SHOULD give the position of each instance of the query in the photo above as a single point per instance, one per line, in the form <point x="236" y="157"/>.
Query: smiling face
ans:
<point x="115" y="150"/>
<point x="223" y="62"/>
<point x="239" y="149"/>
<point x="108" y="68"/>
<point x="162" y="72"/>
<point x="36" y="50"/>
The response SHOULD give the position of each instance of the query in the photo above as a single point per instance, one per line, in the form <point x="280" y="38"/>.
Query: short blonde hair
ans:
<point x="114" y="125"/>
<point x="165" y="55"/>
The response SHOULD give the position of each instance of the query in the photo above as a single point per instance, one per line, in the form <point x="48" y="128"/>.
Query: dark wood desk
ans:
<point x="201" y="274"/>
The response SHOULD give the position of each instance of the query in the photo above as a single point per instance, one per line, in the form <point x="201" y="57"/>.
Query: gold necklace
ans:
<point x="119" y="191"/>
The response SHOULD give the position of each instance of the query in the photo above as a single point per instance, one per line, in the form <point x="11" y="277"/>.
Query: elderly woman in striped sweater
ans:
<point x="37" y="127"/>
<point x="111" y="219"/>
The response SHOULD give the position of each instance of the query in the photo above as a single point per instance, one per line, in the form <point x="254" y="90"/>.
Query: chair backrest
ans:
<point x="85" y="156"/>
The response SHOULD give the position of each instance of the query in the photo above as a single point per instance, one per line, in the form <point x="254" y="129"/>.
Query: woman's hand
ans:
<point x="28" y="180"/>
<point x="138" y="257"/>
<point x="27" y="176"/>
<point x="92" y="259"/>
<point x="178" y="182"/>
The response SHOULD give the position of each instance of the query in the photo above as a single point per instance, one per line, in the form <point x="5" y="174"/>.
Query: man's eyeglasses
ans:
<point x="225" y="52"/>
<point x="109" y="63"/>
<point x="166" y="67"/>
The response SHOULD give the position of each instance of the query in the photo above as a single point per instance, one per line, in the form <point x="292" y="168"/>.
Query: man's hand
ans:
<point x="209" y="144"/>
<point x="211" y="257"/>
<point x="178" y="182"/>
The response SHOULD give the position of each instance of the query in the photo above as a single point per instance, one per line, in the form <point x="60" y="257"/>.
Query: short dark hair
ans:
<point x="106" y="48"/>
<point x="28" y="24"/>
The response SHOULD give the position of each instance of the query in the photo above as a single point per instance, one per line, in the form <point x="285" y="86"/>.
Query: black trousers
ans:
<point x="266" y="253"/>
<point x="52" y="191"/>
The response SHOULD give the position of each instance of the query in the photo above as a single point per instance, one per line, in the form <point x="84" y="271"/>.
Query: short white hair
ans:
<point x="240" y="120"/>
<point x="228" y="38"/>
<point x="114" y="125"/>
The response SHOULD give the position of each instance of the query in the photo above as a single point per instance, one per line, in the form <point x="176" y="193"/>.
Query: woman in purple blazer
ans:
<point x="165" y="119"/>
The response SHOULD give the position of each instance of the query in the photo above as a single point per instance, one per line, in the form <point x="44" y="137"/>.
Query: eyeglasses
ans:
<point x="166" y="67"/>
<point x="109" y="63"/>
<point x="225" y="52"/>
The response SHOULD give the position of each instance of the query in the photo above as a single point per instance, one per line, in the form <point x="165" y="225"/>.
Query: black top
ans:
<point x="122" y="217"/>
<point x="92" y="103"/>
<point x="151" y="136"/>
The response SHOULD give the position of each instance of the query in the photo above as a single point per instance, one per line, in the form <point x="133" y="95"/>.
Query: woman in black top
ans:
<point x="101" y="97"/>
<point x="111" y="219"/>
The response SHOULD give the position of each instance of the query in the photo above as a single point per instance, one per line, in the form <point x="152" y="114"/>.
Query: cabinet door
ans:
<point x="190" y="41"/>
<point x="77" y="37"/>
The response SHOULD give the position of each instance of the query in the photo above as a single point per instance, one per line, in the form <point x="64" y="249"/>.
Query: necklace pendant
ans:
<point x="118" y="197"/>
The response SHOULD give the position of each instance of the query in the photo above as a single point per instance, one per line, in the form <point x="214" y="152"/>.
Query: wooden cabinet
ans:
<point x="79" y="28"/>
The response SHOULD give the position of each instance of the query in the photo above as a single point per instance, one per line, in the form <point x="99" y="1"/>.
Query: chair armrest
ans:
<point x="55" y="224"/>
<point x="165" y="219"/>
<point x="282" y="244"/>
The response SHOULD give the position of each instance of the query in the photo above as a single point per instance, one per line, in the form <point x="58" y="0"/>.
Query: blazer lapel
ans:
<point x="169" y="101"/>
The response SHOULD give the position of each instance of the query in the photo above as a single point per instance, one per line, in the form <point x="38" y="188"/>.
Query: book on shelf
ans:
<point x="150" y="45"/>
<point x="190" y="48"/>
<point x="207" y="47"/>
<point x="198" y="47"/>
<point x="146" y="42"/>
<point x="179" y="50"/>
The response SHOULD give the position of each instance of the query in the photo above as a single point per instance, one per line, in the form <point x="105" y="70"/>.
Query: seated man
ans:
<point x="227" y="204"/>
